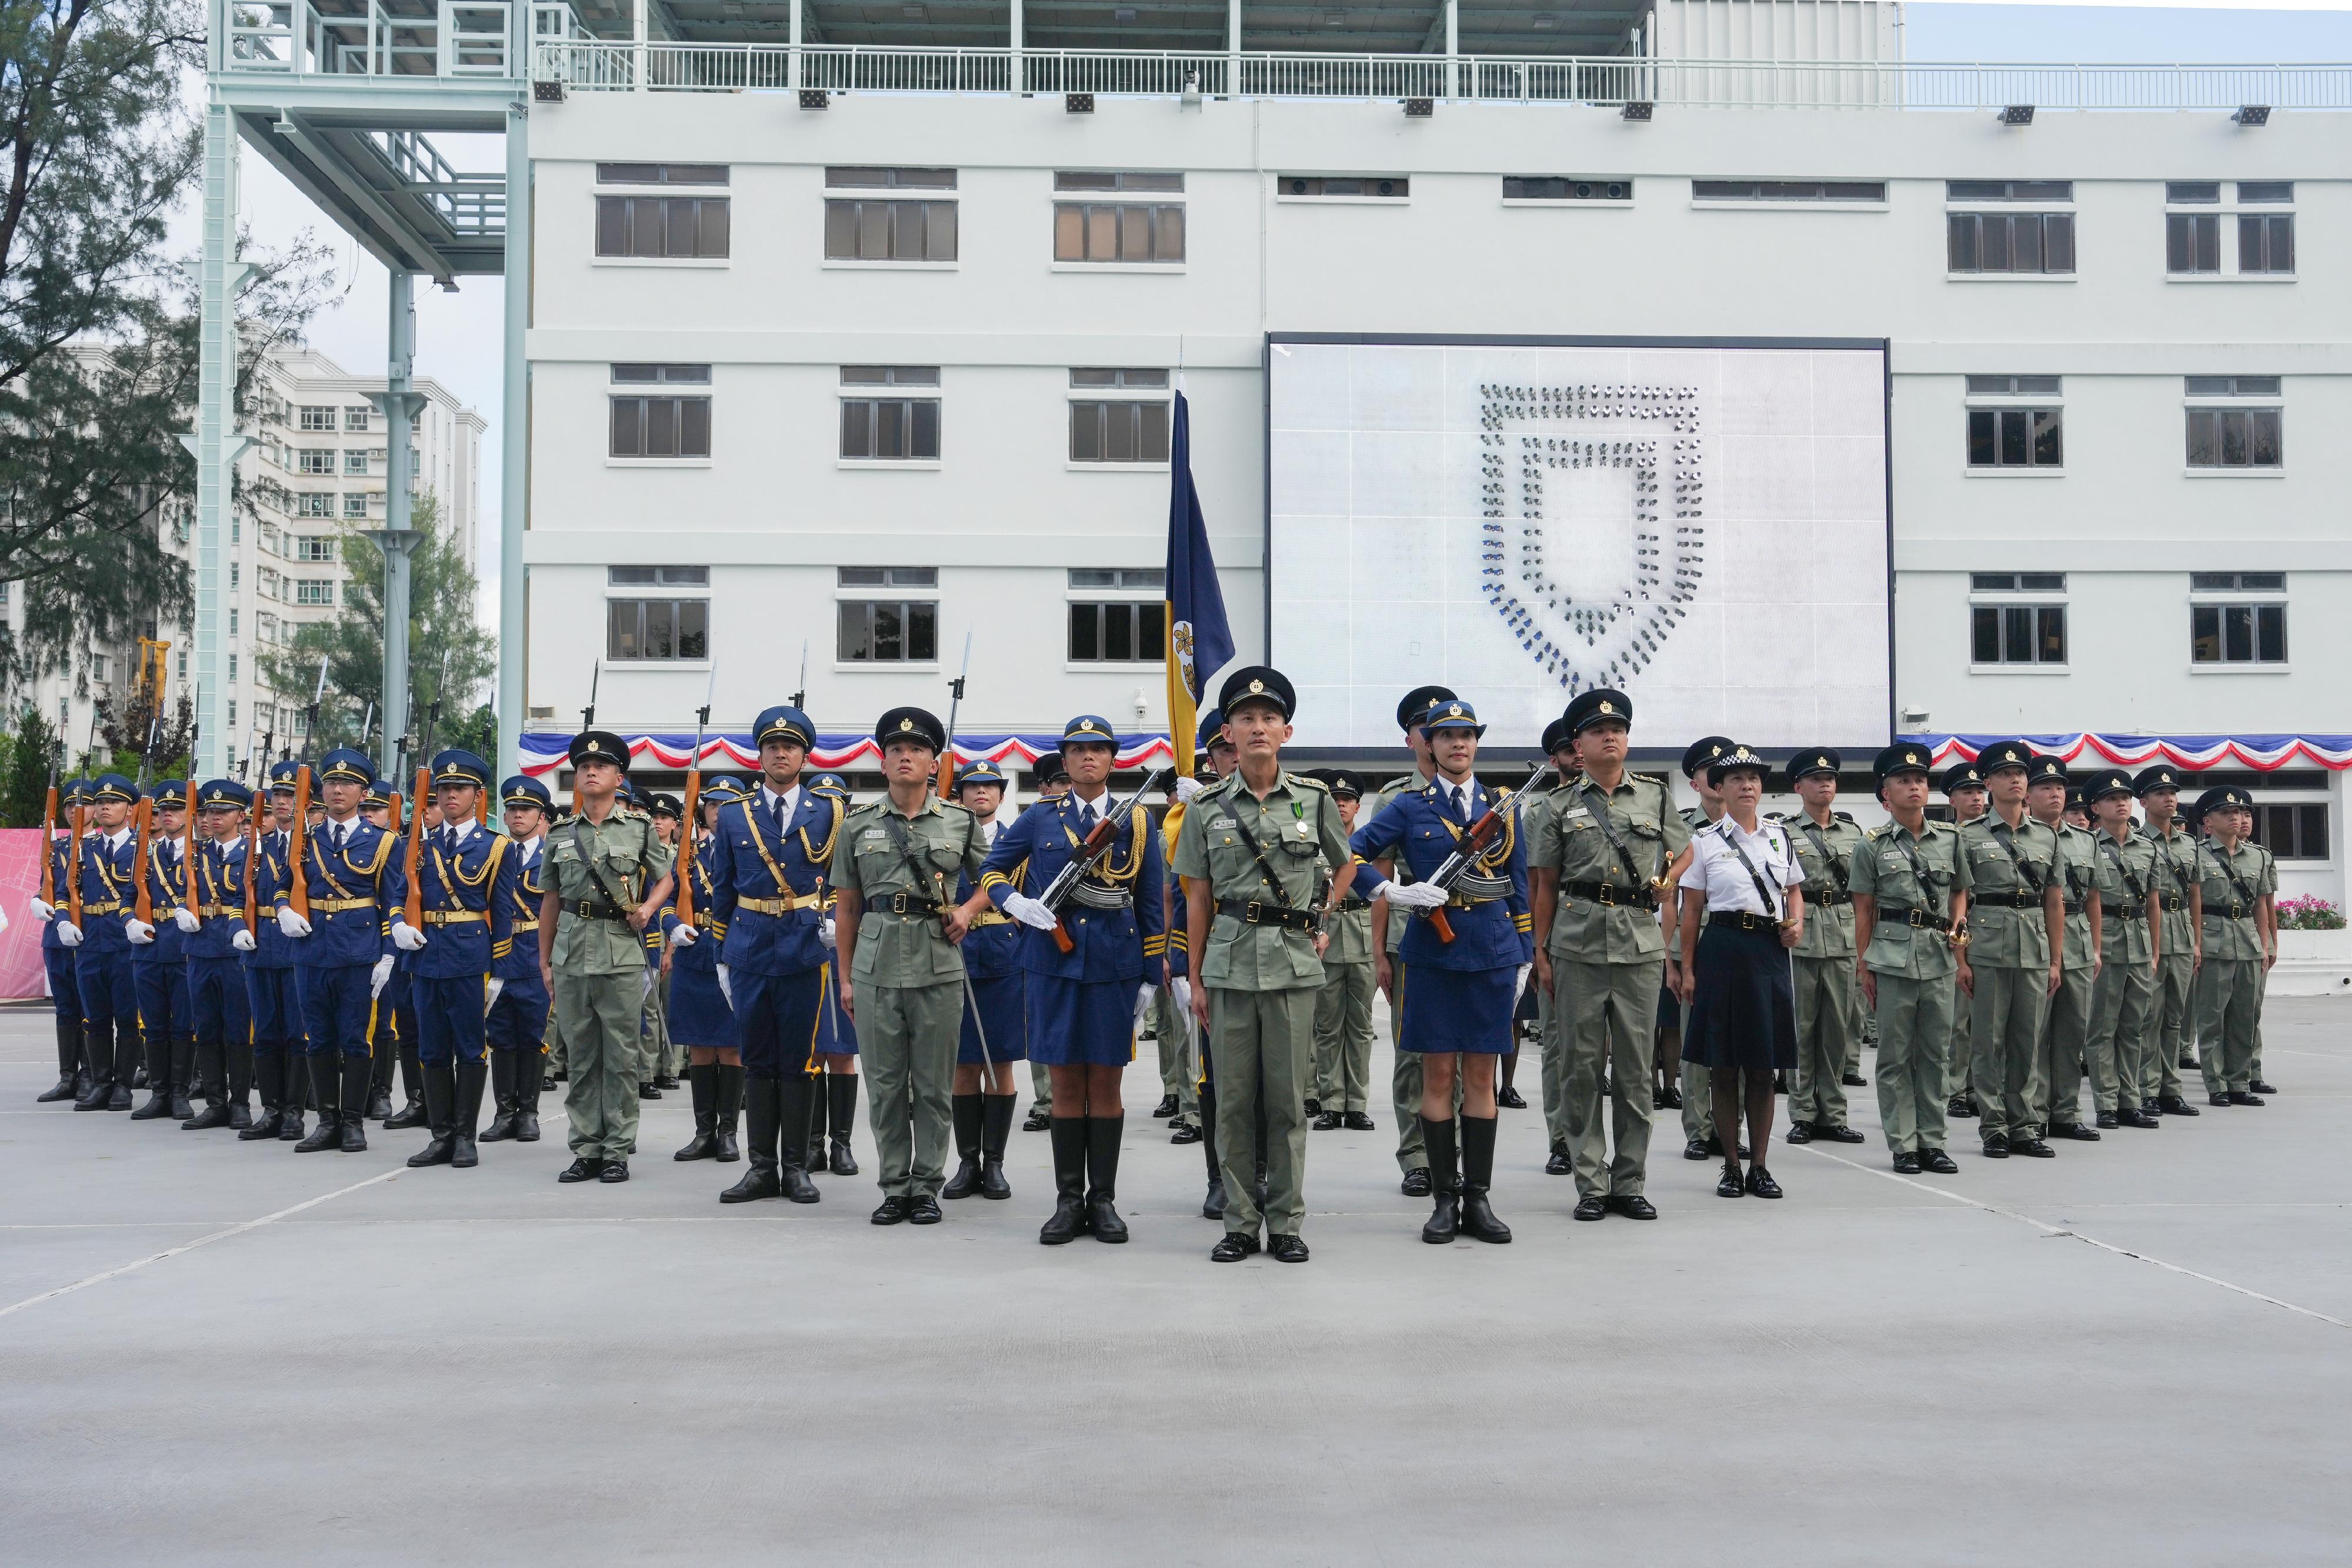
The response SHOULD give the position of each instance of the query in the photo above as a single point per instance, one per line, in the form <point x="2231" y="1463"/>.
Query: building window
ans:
<point x="660" y="425"/>
<point x="314" y="504"/>
<point x="2265" y="242"/>
<point x="232" y="714"/>
<point x="670" y="227"/>
<point x="658" y="576"/>
<point x="317" y="418"/>
<point x="1107" y="428"/>
<point x="2251" y="631"/>
<point x="355" y="416"/>
<point x="2192" y="240"/>
<point x="658" y="628"/>
<point x="2227" y="436"/>
<point x="877" y="426"/>
<point x="884" y="227"/>
<point x="661" y="173"/>
<point x="2011" y="241"/>
<point x="1769" y="191"/>
<point x="889" y="631"/>
<point x="2017" y="633"/>
<point x="2292" y="833"/>
<point x="1120" y="632"/>
<point x="236" y="571"/>
<point x="1111" y="230"/>
<point x="2014" y="422"/>
<point x="355" y="460"/>
<point x="232" y="668"/>
<point x="1567" y="188"/>
<point x="232" y="621"/>
<point x="314" y="591"/>
<point x="314" y="546"/>
<point x="1370" y="187"/>
<point x="355" y="505"/>
<point x="316" y="460"/>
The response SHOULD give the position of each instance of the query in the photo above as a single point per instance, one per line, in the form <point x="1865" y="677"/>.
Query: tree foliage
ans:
<point x="25" y="771"/>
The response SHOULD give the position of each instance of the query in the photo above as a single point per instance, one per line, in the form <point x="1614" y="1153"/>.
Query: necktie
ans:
<point x="449" y="841"/>
<point x="776" y="813"/>
<point x="1086" y="819"/>
<point x="339" y="837"/>
<point x="1459" y="796"/>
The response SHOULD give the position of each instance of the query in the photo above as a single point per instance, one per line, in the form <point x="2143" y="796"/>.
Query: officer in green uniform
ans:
<point x="2017" y="936"/>
<point x="1829" y="1011"/>
<point x="2066" y="1027"/>
<point x="1910" y="886"/>
<point x="2123" y="1021"/>
<point x="1550" y="1045"/>
<point x="1964" y="792"/>
<point x="1598" y="853"/>
<point x="1343" y="1009"/>
<point x="1694" y="1086"/>
<point x="2230" y="978"/>
<point x="659" y="1069"/>
<point x="1248" y="854"/>
<point x="2181" y="892"/>
<point x="607" y="874"/>
<point x="1388" y="931"/>
<point x="1052" y="778"/>
<point x="898" y="929"/>
<point x="2269" y="890"/>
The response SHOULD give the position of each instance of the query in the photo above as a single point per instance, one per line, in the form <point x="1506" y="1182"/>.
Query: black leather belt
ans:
<point x="1610" y="895"/>
<point x="2074" y="905"/>
<point x="595" y="909"/>
<point x="1742" y="920"/>
<point x="1911" y="915"/>
<point x="2004" y="900"/>
<point x="2129" y="911"/>
<point x="2175" y="903"/>
<point x="1833" y="898"/>
<point x="1352" y="903"/>
<point x="909" y="903"/>
<point x="1252" y="911"/>
<point x="2235" y="912"/>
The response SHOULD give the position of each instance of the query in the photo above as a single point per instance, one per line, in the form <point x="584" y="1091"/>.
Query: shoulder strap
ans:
<point x="1591" y="793"/>
<point x="1257" y="853"/>
<point x="1772" y="903"/>
<point x="895" y="824"/>
<point x="597" y="873"/>
<point x="1919" y="874"/>
<point x="1821" y="847"/>
<point x="2008" y="838"/>
<point x="2115" y="856"/>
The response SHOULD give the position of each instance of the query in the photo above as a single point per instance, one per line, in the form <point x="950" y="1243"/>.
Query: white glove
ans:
<point x="1180" y="988"/>
<point x="1188" y="788"/>
<point x="242" y="941"/>
<point x="379" y="974"/>
<point x="1030" y="912"/>
<point x="1519" y="987"/>
<point x="1143" y="1002"/>
<point x="724" y="989"/>
<point x="406" y="937"/>
<point x="42" y="910"/>
<point x="1412" y="895"/>
<point x="186" y="919"/>
<point x="682" y="935"/>
<point x="68" y="934"/>
<point x="292" y="924"/>
<point x="140" y="931"/>
<point x="826" y="930"/>
<point x="490" y="998"/>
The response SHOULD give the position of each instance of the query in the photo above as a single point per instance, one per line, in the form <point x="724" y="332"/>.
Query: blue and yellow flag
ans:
<point x="1200" y="643"/>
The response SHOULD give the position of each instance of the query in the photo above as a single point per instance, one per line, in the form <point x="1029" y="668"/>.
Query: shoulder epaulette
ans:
<point x="1879" y="831"/>
<point x="1219" y="788"/>
<point x="1657" y="778"/>
<point x="1301" y="779"/>
<point x="867" y="810"/>
<point x="1841" y="816"/>
<point x="1779" y="817"/>
<point x="1403" y="781"/>
<point x="956" y="806"/>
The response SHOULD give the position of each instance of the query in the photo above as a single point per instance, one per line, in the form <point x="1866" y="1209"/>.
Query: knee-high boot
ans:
<point x="413" y="1112"/>
<point x="239" y="1050"/>
<point x="269" y="1077"/>
<point x="350" y="1117"/>
<point x="731" y="1107"/>
<point x="995" y="1131"/>
<point x="69" y="1031"/>
<point x="1477" y="1216"/>
<point x="798" y="1102"/>
<point x="183" y="1079"/>
<point x="702" y="1080"/>
<point x="295" y="1070"/>
<point x="967" y="1112"/>
<point x="441" y="1105"/>
<point x="763" y="1117"/>
<point x="126" y="1061"/>
<point x="157" y="1044"/>
<point x="384" y="1053"/>
<point x="1437" y="1137"/>
<point x="841" y="1111"/>
<point x="326" y="1083"/>
<point x="1103" y="1134"/>
<point x="211" y="1071"/>
<point x="1069" y="1219"/>
<point x="502" y="1098"/>
<point x="98" y="1041"/>
<point x="530" y="1075"/>
<point x="471" y="1077"/>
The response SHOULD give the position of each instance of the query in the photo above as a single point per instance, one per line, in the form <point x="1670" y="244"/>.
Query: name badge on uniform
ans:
<point x="1893" y="861"/>
<point x="870" y="834"/>
<point x="1572" y="814"/>
<point x="1222" y="823"/>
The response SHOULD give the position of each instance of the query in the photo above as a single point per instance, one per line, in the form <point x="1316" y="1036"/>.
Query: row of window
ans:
<point x="891" y="414"/>
<point x="2021" y="630"/>
<point x="2025" y="429"/>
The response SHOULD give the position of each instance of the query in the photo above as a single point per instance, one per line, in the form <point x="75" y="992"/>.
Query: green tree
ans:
<point x="450" y="656"/>
<point x="24" y="773"/>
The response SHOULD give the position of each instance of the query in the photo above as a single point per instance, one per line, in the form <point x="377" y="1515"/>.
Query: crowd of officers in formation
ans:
<point x="2058" y="930"/>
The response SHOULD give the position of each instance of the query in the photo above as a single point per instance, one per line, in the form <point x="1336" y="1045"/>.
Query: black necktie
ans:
<point x="776" y="813"/>
<point x="449" y="841"/>
<point x="1457" y="798"/>
<point x="1085" y="819"/>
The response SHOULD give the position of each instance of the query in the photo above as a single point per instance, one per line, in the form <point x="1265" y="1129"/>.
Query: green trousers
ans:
<point x="1404" y="1078"/>
<point x="653" y="1031"/>
<point x="598" y="1014"/>
<point x="1343" y="1037"/>
<point x="1960" y="1051"/>
<point x="1171" y="1032"/>
<point x="1552" y="1059"/>
<point x="1262" y="1043"/>
<point x="1041" y="1086"/>
<point x="1610" y="1016"/>
<point x="2065" y="1047"/>
<point x="2123" y="1036"/>
<point x="908" y="1035"/>
<point x="2006" y="1071"/>
<point x="2229" y="1003"/>
<point x="1915" y="1031"/>
<point x="2175" y="1019"/>
<point x="1828" y="1025"/>
<point x="2260" y="991"/>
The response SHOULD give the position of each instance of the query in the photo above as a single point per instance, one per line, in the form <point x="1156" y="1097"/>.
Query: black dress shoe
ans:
<point x="1357" y="1122"/>
<point x="1329" y="1122"/>
<point x="1314" y="1106"/>
<point x="1509" y="1099"/>
<point x="1939" y="1162"/>
<point x="1415" y="1183"/>
<point x="1996" y="1148"/>
<point x="2259" y="1087"/>
<point x="2218" y="1099"/>
<point x="1184" y="1133"/>
<point x="1730" y="1185"/>
<point x="1907" y="1163"/>
<point x="1853" y="1080"/>
<point x="1039" y="1119"/>
<point x="1670" y="1098"/>
<point x="582" y="1169"/>
<point x="923" y="1210"/>
<point x="415" y="1114"/>
<point x="1591" y="1206"/>
<point x="1838" y="1135"/>
<point x="2188" y="1061"/>
<point x="613" y="1171"/>
<point x="2031" y="1148"/>
<point x="1959" y="1105"/>
<point x="1761" y="1182"/>
<point x="647" y="1091"/>
<point x="1213" y="1204"/>
<point x="1800" y="1132"/>
<point x="1233" y="1248"/>
<point x="1286" y="1248"/>
<point x="1559" y="1163"/>
<point x="2075" y="1131"/>
<point x="2107" y="1121"/>
<point x="893" y="1211"/>
<point x="664" y="1081"/>
<point x="2244" y="1097"/>
<point x="1165" y="1109"/>
<point x="2173" y="1105"/>
<point x="2132" y="1116"/>
<point x="1633" y="1205"/>
<point x="1696" y="1149"/>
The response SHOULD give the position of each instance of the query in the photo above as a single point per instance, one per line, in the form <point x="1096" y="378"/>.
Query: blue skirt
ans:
<point x="1080" y="1022"/>
<point x="1456" y="1010"/>
<point x="836" y="1031"/>
<point x="699" y="1013"/>
<point x="1743" y="1011"/>
<point x="1003" y="1013"/>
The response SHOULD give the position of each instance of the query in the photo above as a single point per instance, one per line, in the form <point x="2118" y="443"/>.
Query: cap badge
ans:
<point x="1455" y="711"/>
<point x="1910" y="756"/>
<point x="906" y="724"/>
<point x="1605" y="707"/>
<point x="1257" y="688"/>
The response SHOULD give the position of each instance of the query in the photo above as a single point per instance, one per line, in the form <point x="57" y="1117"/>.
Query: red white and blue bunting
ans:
<point x="2193" y="753"/>
<point x="542" y="754"/>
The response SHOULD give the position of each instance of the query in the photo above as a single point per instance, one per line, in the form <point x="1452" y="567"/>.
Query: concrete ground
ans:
<point x="222" y="1352"/>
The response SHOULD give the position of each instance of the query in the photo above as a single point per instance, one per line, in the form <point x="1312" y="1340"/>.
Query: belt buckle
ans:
<point x="1253" y="912"/>
<point x="1608" y="896"/>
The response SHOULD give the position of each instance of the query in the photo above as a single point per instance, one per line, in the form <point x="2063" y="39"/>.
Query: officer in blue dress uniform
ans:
<point x="700" y="1019"/>
<point x="281" y="1068"/>
<point x="1457" y="997"/>
<point x="1050" y="779"/>
<point x="392" y="1024"/>
<point x="218" y="943"/>
<point x="767" y="894"/>
<point x="1082" y="1006"/>
<point x="833" y="1091"/>
<point x="159" y="966"/>
<point x="995" y="1026"/>
<point x="466" y="879"/>
<point x="516" y="1025"/>
<point x="102" y="944"/>
<point x="343" y="949"/>
<point x="57" y="958"/>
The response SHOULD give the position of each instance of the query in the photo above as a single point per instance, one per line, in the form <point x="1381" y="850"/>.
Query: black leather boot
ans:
<point x="296" y="1069"/>
<point x="350" y="1118"/>
<point x="1437" y="1137"/>
<point x="995" y="1131"/>
<point x="1102" y="1177"/>
<point x="797" y="1098"/>
<point x="702" y="1078"/>
<point x="441" y="1105"/>
<point x="99" y="1041"/>
<point x="813" y="1161"/>
<point x="325" y="1073"/>
<point x="211" y="1072"/>
<point x="157" y="1044"/>
<point x="380" y="1065"/>
<point x="471" y="1077"/>
<point x="240" y="1080"/>
<point x="841" y="1113"/>
<point x="965" y="1110"/>
<point x="68" y="1032"/>
<point x="530" y="1077"/>
<point x="269" y="1075"/>
<point x="731" y="1107"/>
<point x="1213" y="1207"/>
<point x="1069" y="1182"/>
<point x="502" y="1098"/>
<point x="1476" y="1218"/>
<point x="126" y="1064"/>
<point x="183" y="1079"/>
<point x="763" y="1110"/>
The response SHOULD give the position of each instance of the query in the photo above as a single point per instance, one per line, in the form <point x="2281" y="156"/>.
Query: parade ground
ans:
<point x="2140" y="1352"/>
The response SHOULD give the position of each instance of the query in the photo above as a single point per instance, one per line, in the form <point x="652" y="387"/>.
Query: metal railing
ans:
<point x="430" y="38"/>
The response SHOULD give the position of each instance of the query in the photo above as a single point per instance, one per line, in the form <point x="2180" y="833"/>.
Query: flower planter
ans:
<point x="2313" y="964"/>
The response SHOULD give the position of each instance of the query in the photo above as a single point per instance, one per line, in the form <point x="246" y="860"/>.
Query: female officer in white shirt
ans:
<point x="1741" y="1004"/>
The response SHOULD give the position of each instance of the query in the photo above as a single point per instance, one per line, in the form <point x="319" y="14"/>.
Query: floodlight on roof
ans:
<point x="1420" y="108"/>
<point x="2253" y="114"/>
<point x="2017" y="114"/>
<point x="547" y="92"/>
<point x="1077" y="103"/>
<point x="815" y="98"/>
<point x="1639" y="110"/>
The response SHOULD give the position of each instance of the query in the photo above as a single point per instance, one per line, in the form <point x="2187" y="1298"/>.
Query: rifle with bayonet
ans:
<point x="298" y="832"/>
<point x="1472" y="842"/>
<point x="49" y="833"/>
<point x="690" y="818"/>
<point x="412" y="854"/>
<point x="261" y="808"/>
<point x="955" y="701"/>
<point x="142" y="904"/>
<point x="1092" y="851"/>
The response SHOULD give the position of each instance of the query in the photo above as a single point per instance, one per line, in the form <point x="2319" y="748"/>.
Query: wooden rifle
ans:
<point x="142" y="903"/>
<point x="1472" y="842"/>
<point x="298" y="832"/>
<point x="1100" y="841"/>
<point x="689" y="822"/>
<point x="188" y="861"/>
<point x="412" y="856"/>
<point x="955" y="701"/>
<point x="49" y="839"/>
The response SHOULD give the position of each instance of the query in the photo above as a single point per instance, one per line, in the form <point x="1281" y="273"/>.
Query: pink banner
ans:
<point x="21" y="974"/>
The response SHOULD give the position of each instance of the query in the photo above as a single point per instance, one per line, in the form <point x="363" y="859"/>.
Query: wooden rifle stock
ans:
<point x="144" y="903"/>
<point x="49" y="848"/>
<point x="689" y="822"/>
<point x="1097" y="840"/>
<point x="188" y="861"/>
<point x="413" y="857"/>
<point x="73" y="863"/>
<point x="1477" y="840"/>
<point x="297" y="844"/>
<point x="253" y="869"/>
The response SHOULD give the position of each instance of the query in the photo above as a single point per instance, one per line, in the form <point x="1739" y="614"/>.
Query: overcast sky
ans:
<point x="459" y="334"/>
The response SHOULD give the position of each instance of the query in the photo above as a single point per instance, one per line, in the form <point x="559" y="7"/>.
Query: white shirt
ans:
<point x="789" y="800"/>
<point x="1715" y="869"/>
<point x="1463" y="797"/>
<point x="1100" y="805"/>
<point x="465" y="831"/>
